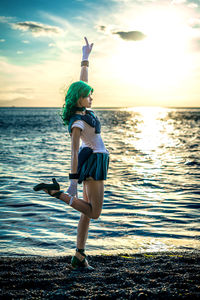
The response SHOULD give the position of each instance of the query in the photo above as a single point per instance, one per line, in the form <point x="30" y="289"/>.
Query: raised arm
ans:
<point x="84" y="73"/>
<point x="85" y="63"/>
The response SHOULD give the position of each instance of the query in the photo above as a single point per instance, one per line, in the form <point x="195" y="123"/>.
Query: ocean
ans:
<point x="152" y="194"/>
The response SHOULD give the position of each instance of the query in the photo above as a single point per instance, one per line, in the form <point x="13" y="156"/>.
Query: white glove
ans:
<point x="86" y="50"/>
<point x="72" y="190"/>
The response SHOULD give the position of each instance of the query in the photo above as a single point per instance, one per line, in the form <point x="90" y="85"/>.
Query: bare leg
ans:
<point x="92" y="193"/>
<point x="83" y="225"/>
<point x="95" y="191"/>
<point x="79" y="204"/>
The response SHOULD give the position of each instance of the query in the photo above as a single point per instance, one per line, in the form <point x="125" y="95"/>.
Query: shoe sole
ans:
<point x="38" y="187"/>
<point x="81" y="269"/>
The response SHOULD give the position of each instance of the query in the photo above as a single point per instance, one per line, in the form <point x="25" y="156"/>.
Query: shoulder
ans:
<point x="75" y="121"/>
<point x="78" y="123"/>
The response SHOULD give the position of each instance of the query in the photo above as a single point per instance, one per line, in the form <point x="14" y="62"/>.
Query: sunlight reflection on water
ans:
<point x="151" y="195"/>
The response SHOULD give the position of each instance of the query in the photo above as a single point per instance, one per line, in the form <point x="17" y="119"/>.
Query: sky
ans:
<point x="145" y="53"/>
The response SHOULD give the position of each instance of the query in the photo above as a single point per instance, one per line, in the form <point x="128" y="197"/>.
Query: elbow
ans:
<point x="83" y="79"/>
<point x="74" y="154"/>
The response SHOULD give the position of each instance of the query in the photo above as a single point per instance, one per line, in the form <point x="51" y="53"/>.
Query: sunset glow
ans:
<point x="161" y="60"/>
<point x="143" y="54"/>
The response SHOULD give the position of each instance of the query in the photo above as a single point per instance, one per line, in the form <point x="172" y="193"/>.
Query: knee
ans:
<point x="95" y="215"/>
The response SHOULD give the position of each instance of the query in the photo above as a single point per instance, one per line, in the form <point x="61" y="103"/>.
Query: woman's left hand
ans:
<point x="86" y="49"/>
<point x="72" y="190"/>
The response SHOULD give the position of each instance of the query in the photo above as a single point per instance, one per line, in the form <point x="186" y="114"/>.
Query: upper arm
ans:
<point x="79" y="124"/>
<point x="77" y="127"/>
<point x="76" y="134"/>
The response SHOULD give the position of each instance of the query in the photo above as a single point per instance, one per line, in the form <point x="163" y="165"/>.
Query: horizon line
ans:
<point x="103" y="107"/>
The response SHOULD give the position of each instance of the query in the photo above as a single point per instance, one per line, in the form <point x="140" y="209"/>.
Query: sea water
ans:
<point x="152" y="195"/>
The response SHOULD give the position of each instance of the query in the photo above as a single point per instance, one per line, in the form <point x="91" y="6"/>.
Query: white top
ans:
<point x="89" y="137"/>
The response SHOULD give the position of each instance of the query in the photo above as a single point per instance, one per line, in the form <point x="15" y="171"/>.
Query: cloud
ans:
<point x="195" y="45"/>
<point x="40" y="83"/>
<point x="106" y="29"/>
<point x="4" y="19"/>
<point x="125" y="35"/>
<point x="131" y="35"/>
<point x="193" y="5"/>
<point x="122" y="1"/>
<point x="15" y="96"/>
<point x="9" y="94"/>
<point x="52" y="45"/>
<point x="178" y="1"/>
<point x="18" y="91"/>
<point x="194" y="23"/>
<point x="20" y="52"/>
<point x="37" y="29"/>
<point x="102" y="27"/>
<point x="21" y="101"/>
<point x="2" y="40"/>
<point x="187" y="2"/>
<point x="26" y="42"/>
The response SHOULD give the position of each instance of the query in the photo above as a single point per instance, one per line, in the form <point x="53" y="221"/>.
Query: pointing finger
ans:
<point x="86" y="41"/>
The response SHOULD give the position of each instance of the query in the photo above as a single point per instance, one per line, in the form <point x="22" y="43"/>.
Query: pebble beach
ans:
<point x="170" y="275"/>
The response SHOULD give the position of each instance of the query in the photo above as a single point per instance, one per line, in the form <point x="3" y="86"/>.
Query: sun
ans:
<point x="161" y="60"/>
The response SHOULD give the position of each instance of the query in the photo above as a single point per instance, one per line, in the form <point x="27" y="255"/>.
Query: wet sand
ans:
<point x="173" y="275"/>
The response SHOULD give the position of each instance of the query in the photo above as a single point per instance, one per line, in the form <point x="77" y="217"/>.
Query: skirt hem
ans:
<point x="96" y="166"/>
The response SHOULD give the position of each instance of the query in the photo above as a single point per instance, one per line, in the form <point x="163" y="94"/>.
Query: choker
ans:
<point x="80" y="108"/>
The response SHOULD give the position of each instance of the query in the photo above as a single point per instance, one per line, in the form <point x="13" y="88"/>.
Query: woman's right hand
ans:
<point x="86" y="50"/>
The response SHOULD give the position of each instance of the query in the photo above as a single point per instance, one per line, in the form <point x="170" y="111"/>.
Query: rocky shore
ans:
<point x="170" y="275"/>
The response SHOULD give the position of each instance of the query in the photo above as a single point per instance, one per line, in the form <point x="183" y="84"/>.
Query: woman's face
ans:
<point x="86" y="101"/>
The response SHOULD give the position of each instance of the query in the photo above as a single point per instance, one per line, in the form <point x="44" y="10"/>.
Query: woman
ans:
<point x="89" y="163"/>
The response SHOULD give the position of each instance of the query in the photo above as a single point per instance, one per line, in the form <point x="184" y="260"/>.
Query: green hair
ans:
<point x="75" y="91"/>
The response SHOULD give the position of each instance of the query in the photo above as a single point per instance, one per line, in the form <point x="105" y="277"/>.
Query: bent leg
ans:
<point x="83" y="225"/>
<point x="95" y="192"/>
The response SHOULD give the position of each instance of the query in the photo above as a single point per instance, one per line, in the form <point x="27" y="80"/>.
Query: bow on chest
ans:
<point x="92" y="121"/>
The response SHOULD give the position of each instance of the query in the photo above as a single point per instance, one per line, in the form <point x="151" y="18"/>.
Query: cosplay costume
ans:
<point x="93" y="157"/>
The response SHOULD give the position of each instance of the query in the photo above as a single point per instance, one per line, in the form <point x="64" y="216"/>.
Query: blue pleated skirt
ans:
<point x="95" y="166"/>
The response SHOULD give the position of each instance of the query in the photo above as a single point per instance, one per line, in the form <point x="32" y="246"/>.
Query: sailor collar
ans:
<point x="89" y="118"/>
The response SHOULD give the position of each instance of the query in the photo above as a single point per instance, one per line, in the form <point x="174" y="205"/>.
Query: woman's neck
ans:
<point x="80" y="113"/>
<point x="80" y="110"/>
